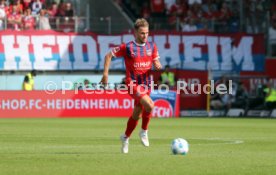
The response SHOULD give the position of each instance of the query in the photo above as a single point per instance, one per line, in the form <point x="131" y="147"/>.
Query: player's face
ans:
<point x="142" y="34"/>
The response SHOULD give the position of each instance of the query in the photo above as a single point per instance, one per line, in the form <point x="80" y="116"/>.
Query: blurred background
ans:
<point x="199" y="40"/>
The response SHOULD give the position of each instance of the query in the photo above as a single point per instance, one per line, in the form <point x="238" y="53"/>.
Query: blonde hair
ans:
<point x="140" y="22"/>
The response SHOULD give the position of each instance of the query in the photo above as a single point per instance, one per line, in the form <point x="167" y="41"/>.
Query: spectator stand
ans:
<point x="42" y="15"/>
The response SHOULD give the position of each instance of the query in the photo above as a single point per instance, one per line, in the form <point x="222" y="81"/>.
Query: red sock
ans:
<point x="131" y="125"/>
<point x="145" y="119"/>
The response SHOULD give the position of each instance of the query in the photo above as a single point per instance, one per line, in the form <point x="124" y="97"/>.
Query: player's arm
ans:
<point x="157" y="65"/>
<point x="107" y="61"/>
<point x="116" y="52"/>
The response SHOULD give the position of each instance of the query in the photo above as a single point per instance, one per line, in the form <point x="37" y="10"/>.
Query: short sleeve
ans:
<point x="119" y="51"/>
<point x="155" y="55"/>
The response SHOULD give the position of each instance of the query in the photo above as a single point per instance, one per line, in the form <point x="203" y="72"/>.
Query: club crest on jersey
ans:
<point x="116" y="49"/>
<point x="148" y="52"/>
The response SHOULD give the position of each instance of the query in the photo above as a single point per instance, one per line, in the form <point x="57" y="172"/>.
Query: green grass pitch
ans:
<point x="91" y="146"/>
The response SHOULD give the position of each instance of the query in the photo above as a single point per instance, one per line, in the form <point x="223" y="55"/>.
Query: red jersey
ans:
<point x="29" y="22"/>
<point x="14" y="16"/>
<point x="157" y="6"/>
<point x="138" y="60"/>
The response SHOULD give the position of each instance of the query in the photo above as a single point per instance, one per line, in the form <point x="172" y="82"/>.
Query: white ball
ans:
<point x="180" y="146"/>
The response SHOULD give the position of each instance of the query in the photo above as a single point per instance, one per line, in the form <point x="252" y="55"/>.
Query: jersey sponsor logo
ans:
<point x="162" y="108"/>
<point x="142" y="64"/>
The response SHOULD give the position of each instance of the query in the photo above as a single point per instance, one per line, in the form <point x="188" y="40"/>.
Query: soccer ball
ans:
<point x="180" y="146"/>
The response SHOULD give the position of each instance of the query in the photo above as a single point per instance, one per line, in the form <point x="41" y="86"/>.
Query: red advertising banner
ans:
<point x="255" y="79"/>
<point x="64" y="103"/>
<point x="270" y="65"/>
<point x="93" y="103"/>
<point x="198" y="79"/>
<point x="195" y="78"/>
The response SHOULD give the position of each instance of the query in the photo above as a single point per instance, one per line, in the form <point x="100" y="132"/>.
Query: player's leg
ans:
<point x="133" y="120"/>
<point x="148" y="105"/>
<point x="131" y="125"/>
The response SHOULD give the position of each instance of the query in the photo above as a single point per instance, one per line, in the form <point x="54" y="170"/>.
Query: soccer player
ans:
<point x="139" y="56"/>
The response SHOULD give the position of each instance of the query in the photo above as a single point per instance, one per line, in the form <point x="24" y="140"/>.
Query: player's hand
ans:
<point x="157" y="65"/>
<point x="104" y="80"/>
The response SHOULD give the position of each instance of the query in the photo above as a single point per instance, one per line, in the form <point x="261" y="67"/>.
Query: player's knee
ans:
<point x="136" y="117"/>
<point x="137" y="112"/>
<point x="149" y="107"/>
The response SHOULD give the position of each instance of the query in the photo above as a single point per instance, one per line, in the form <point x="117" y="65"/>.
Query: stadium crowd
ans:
<point x="36" y="14"/>
<point x="272" y="32"/>
<point x="196" y="15"/>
